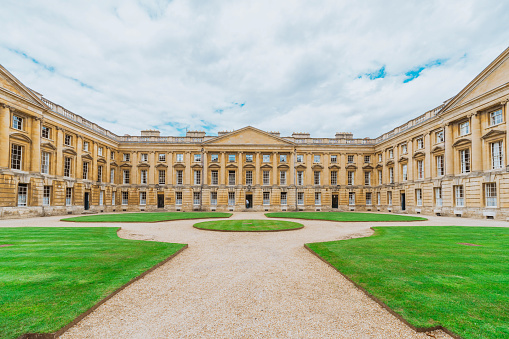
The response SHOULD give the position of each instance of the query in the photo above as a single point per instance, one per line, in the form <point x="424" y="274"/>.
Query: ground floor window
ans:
<point x="231" y="198"/>
<point x="178" y="198"/>
<point x="22" y="194"/>
<point x="418" y="196"/>
<point x="351" y="198"/>
<point x="438" y="196"/>
<point x="459" y="196"/>
<point x="46" y="197"/>
<point x="113" y="198"/>
<point x="368" y="198"/>
<point x="389" y="198"/>
<point x="196" y="198"/>
<point x="379" y="198"/>
<point x="213" y="198"/>
<point x="68" y="196"/>
<point x="490" y="192"/>
<point x="300" y="198"/>
<point x="318" y="198"/>
<point x="283" y="198"/>
<point x="266" y="198"/>
<point x="125" y="198"/>
<point x="143" y="198"/>
<point x="101" y="198"/>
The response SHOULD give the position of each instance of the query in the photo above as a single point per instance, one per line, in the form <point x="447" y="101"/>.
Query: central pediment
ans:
<point x="249" y="136"/>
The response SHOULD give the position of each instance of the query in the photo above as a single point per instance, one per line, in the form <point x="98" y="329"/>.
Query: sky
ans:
<point x="290" y="66"/>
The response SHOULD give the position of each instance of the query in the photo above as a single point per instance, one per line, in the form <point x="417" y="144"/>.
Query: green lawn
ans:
<point x="148" y="217"/>
<point x="427" y="276"/>
<point x="248" y="225"/>
<point x="53" y="274"/>
<point x="343" y="216"/>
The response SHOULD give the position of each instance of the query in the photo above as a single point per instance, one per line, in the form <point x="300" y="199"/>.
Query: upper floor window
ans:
<point x="214" y="177"/>
<point x="439" y="136"/>
<point x="180" y="177"/>
<point x="112" y="155"/>
<point x="45" y="162"/>
<point x="420" y="169"/>
<point x="197" y="157"/>
<point x="282" y="177"/>
<point x="440" y="165"/>
<point x="380" y="157"/>
<point x="249" y="158"/>
<point x="144" y="157"/>
<point x="367" y="178"/>
<point x="100" y="151"/>
<point x="197" y="177"/>
<point x="333" y="159"/>
<point x="46" y="132"/>
<point x="68" y="140"/>
<point x="300" y="158"/>
<point x="465" y="160"/>
<point x="162" y="177"/>
<point x="127" y="157"/>
<point x="17" y="122"/>
<point x="85" y="170"/>
<point x="404" y="149"/>
<point x="391" y="153"/>
<point x="231" y="157"/>
<point x="231" y="178"/>
<point x="316" y="158"/>
<point x="214" y="157"/>
<point x="317" y="178"/>
<point x="496" y="154"/>
<point x="282" y="158"/>
<point x="405" y="172"/>
<point x="249" y="177"/>
<point x="350" y="177"/>
<point x="180" y="157"/>
<point x="266" y="177"/>
<point x="496" y="117"/>
<point x="266" y="158"/>
<point x="16" y="157"/>
<point x="125" y="176"/>
<point x="143" y="176"/>
<point x="464" y="128"/>
<point x="67" y="166"/>
<point x="162" y="157"/>
<point x="420" y="143"/>
<point x="86" y="146"/>
<point x="334" y="178"/>
<point x="367" y="159"/>
<point x="350" y="159"/>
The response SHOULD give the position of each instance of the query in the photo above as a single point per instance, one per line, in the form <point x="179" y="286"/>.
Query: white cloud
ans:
<point x="131" y="65"/>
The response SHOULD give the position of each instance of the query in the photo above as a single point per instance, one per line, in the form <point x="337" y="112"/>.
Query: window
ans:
<point x="213" y="198"/>
<point x="418" y="197"/>
<point x="125" y="176"/>
<point x="143" y="176"/>
<point x="112" y="155"/>
<point x="420" y="143"/>
<point x="68" y="140"/>
<point x="496" y="117"/>
<point x="490" y="191"/>
<point x="178" y="198"/>
<point x="197" y="157"/>
<point x="300" y="158"/>
<point x="125" y="198"/>
<point x="45" y="162"/>
<point x="391" y="175"/>
<point x="180" y="177"/>
<point x="282" y="177"/>
<point x="16" y="156"/>
<point x="266" y="198"/>
<point x="162" y="157"/>
<point x="100" y="151"/>
<point x="380" y="157"/>
<point x="231" y="157"/>
<point x="162" y="177"/>
<point x="300" y="198"/>
<point x="318" y="198"/>
<point x="144" y="157"/>
<point x="389" y="198"/>
<point x="316" y="158"/>
<point x="214" y="157"/>
<point x="464" y="128"/>
<point x="101" y="198"/>
<point x="197" y="177"/>
<point x="459" y="196"/>
<point x="282" y="158"/>
<point x="391" y="154"/>
<point x="46" y="132"/>
<point x="214" y="175"/>
<point x="420" y="169"/>
<point x="367" y="159"/>
<point x="113" y="198"/>
<point x="266" y="177"/>
<point x="440" y="165"/>
<point x="368" y="198"/>
<point x="231" y="178"/>
<point x="350" y="159"/>
<point x="439" y="136"/>
<point x="380" y="177"/>
<point x="143" y="198"/>
<point x="333" y="159"/>
<point x="85" y="170"/>
<point x="99" y="173"/>
<point x="180" y="157"/>
<point x="378" y="198"/>
<point x="350" y="176"/>
<point x="496" y="154"/>
<point x="112" y="176"/>
<point x="249" y="158"/>
<point x="127" y="157"/>
<point x="231" y="198"/>
<point x="17" y="122"/>
<point x="67" y="167"/>
<point x="300" y="178"/>
<point x="351" y="198"/>
<point x="367" y="178"/>
<point x="438" y="196"/>
<point x="68" y="196"/>
<point x="283" y="198"/>
<point x="404" y="149"/>
<point x="86" y="146"/>
<point x="46" y="195"/>
<point x="22" y="194"/>
<point x="196" y="198"/>
<point x="266" y="158"/>
<point x="334" y="178"/>
<point x="249" y="177"/>
<point x="317" y="178"/>
<point x="405" y="172"/>
<point x="465" y="160"/>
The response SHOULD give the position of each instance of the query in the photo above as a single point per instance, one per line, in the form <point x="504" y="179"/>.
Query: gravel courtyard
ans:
<point x="244" y="285"/>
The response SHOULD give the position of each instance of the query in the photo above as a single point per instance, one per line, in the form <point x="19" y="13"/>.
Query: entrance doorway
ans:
<point x="403" y="202"/>
<point x="87" y="201"/>
<point x="249" y="201"/>
<point x="335" y="201"/>
<point x="160" y="200"/>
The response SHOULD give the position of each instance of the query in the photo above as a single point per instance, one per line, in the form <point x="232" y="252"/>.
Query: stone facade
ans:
<point x="451" y="160"/>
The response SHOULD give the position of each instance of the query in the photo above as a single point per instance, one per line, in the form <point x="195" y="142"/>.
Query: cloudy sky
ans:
<point x="305" y="66"/>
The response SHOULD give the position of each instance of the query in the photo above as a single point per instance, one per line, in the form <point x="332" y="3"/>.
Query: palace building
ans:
<point x="451" y="160"/>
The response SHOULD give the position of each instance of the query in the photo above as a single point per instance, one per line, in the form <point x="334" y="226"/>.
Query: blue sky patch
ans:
<point x="416" y="72"/>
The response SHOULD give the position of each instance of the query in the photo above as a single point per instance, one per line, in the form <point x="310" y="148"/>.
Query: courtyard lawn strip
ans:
<point x="248" y="225"/>
<point x="51" y="275"/>
<point x="344" y="216"/>
<point x="433" y="275"/>
<point x="148" y="217"/>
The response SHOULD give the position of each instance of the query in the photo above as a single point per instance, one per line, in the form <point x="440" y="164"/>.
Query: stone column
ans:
<point x="188" y="173"/>
<point x="476" y="156"/>
<point x="428" y="161"/>
<point x="291" y="171"/>
<point x="257" y="168"/>
<point x="274" y="169"/>
<point x="152" y="169"/>
<point x="326" y="173"/>
<point x="107" y="175"/>
<point x="36" y="145"/>
<point x="205" y="173"/>
<point x="134" y="168"/>
<point x="222" y="170"/>
<point x="309" y="177"/>
<point x="449" y="157"/>
<point x="95" y="168"/>
<point x="506" y="107"/>
<point x="239" y="180"/>
<point x="395" y="151"/>
<point x="5" y="119"/>
<point x="79" y="161"/>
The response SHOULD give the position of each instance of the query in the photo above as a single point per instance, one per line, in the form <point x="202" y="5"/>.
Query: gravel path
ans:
<point x="243" y="285"/>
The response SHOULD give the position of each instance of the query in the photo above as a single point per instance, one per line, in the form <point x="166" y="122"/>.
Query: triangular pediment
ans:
<point x="248" y="136"/>
<point x="9" y="83"/>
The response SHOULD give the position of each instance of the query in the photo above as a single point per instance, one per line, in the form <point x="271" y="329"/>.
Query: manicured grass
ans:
<point x="248" y="225"/>
<point x="148" y="217"/>
<point x="343" y="216"/>
<point x="53" y="274"/>
<point x="428" y="277"/>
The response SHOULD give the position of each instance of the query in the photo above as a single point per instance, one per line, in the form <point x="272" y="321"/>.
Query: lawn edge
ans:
<point x="138" y="222"/>
<point x="80" y="317"/>
<point x="282" y="230"/>
<point x="425" y="219"/>
<point x="381" y="303"/>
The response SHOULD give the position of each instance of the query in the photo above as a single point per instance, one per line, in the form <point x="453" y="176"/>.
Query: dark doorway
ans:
<point x="335" y="201"/>
<point x="87" y="201"/>
<point x="403" y="202"/>
<point x="249" y="201"/>
<point x="160" y="200"/>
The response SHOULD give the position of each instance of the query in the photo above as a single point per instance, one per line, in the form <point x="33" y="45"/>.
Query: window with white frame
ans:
<point x="367" y="159"/>
<point x="440" y="165"/>
<point x="22" y="195"/>
<point x="143" y="176"/>
<point x="391" y="153"/>
<point x="162" y="177"/>
<point x="144" y="157"/>
<point x="316" y="178"/>
<point x="282" y="158"/>
<point x="351" y="198"/>
<point x="113" y="203"/>
<point x="249" y="177"/>
<point x="349" y="159"/>
<point x="266" y="198"/>
<point x="465" y="160"/>
<point x="86" y="146"/>
<point x="125" y="198"/>
<point x="266" y="177"/>
<point x="214" y="157"/>
<point x="380" y="177"/>
<point x="214" y="177"/>
<point x="45" y="162"/>
<point x="100" y="173"/>
<point x="300" y="158"/>
<point x="100" y="151"/>
<point x="197" y="158"/>
<point x="300" y="198"/>
<point x="391" y="175"/>
<point x="178" y="198"/>
<point x="300" y="178"/>
<point x="350" y="177"/>
<point x="490" y="193"/>
<point x="266" y="158"/>
<point x="46" y="132"/>
<point x="439" y="136"/>
<point x="420" y="169"/>
<point x="282" y="177"/>
<point x="496" y="151"/>
<point x="68" y="196"/>
<point x="420" y="143"/>
<point x="465" y="128"/>
<point x="180" y="177"/>
<point x="418" y="196"/>
<point x="46" y="196"/>
<point x="389" y="198"/>
<point x="283" y="198"/>
<point x="318" y="198"/>
<point x="126" y="157"/>
<point x="378" y="198"/>
<point x="101" y="198"/>
<point x="231" y="198"/>
<point x="316" y="158"/>
<point x="125" y="176"/>
<point x="213" y="198"/>
<point x="16" y="157"/>
<point x="180" y="157"/>
<point x="459" y="196"/>
<point x="231" y="178"/>
<point x="143" y="198"/>
<point x="405" y="172"/>
<point x="85" y="169"/>
<point x="496" y="117"/>
<point x="17" y="122"/>
<point x="196" y="198"/>
<point x="249" y="158"/>
<point x="367" y="178"/>
<point x="112" y="155"/>
<point x="404" y="149"/>
<point x="68" y="140"/>
<point x="112" y="176"/>
<point x="438" y="196"/>
<point x="197" y="177"/>
<point x="161" y="157"/>
<point x="380" y="157"/>
<point x="368" y="198"/>
<point x="333" y="159"/>
<point x="334" y="178"/>
<point x="67" y="166"/>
